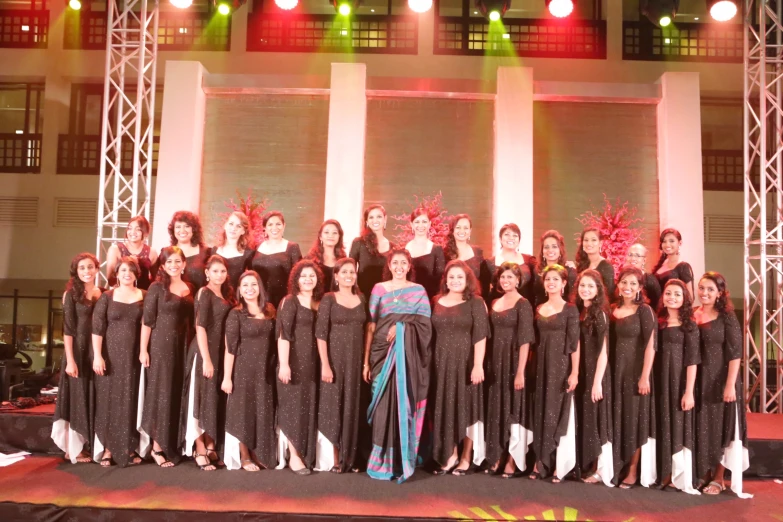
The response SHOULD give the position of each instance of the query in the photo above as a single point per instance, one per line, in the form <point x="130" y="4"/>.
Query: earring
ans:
<point x="134" y="282"/>
<point x="639" y="295"/>
<point x="562" y="291"/>
<point x="183" y="272"/>
<point x="207" y="279"/>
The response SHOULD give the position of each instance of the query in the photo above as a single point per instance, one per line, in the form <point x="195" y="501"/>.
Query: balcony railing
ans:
<point x="177" y="31"/>
<point x="24" y="29"/>
<point x="385" y="34"/>
<point x="683" y="42"/>
<point x="521" y="37"/>
<point x="82" y="155"/>
<point x="20" y="153"/>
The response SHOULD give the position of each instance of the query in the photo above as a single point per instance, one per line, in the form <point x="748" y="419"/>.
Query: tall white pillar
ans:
<point x="178" y="183"/>
<point x="680" y="193"/>
<point x="513" y="171"/>
<point x="344" y="195"/>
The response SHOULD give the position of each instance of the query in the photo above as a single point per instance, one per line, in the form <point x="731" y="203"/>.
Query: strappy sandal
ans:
<point x="336" y="469"/>
<point x="216" y="461"/>
<point x="249" y="465"/>
<point x="165" y="460"/>
<point x="713" y="484"/>
<point x="627" y="485"/>
<point x="355" y="470"/>
<point x="534" y="475"/>
<point x="206" y="467"/>
<point x="108" y="462"/>
<point x="595" y="478"/>
<point x="510" y="475"/>
<point x="460" y="472"/>
<point x="134" y="459"/>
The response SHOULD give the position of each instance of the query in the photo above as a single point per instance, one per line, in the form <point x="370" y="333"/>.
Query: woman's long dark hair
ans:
<point x="582" y="260"/>
<point x="263" y="304"/>
<point x="332" y="285"/>
<point x="472" y="287"/>
<point x="193" y="221"/>
<point x="451" y="250"/>
<point x="685" y="312"/>
<point x="662" y="259"/>
<point x="398" y="251"/>
<point x="590" y="315"/>
<point x="296" y="272"/>
<point x="226" y="289"/>
<point x="368" y="237"/>
<point x="75" y="286"/>
<point x="723" y="303"/>
<point x="557" y="236"/>
<point x="641" y="296"/>
<point x="316" y="252"/>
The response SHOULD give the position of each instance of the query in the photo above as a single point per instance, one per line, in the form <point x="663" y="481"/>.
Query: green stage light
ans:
<point x="494" y="16"/>
<point x="344" y="9"/>
<point x="224" y="9"/>
<point x="665" y="21"/>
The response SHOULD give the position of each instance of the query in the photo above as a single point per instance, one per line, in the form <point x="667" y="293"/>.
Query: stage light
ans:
<point x="659" y="12"/>
<point x="181" y="4"/>
<point x="560" y="8"/>
<point x="493" y="9"/>
<point x="722" y="10"/>
<point x="75" y="5"/>
<point x="286" y="5"/>
<point x="420" y="6"/>
<point x="224" y="8"/>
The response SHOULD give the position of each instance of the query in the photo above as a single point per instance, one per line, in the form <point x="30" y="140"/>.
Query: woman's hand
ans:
<point x="519" y="381"/>
<point x="570" y="264"/>
<point x="99" y="365"/>
<point x="71" y="369"/>
<point x="326" y="373"/>
<point x="392" y="334"/>
<point x="644" y="386"/>
<point x="366" y="373"/>
<point x="729" y="394"/>
<point x="144" y="359"/>
<point x="598" y="392"/>
<point x="284" y="374"/>
<point x="477" y="375"/>
<point x="227" y="386"/>
<point x="687" y="402"/>
<point x="207" y="370"/>
<point x="573" y="380"/>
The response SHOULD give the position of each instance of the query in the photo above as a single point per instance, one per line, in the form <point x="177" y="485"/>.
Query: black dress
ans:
<point x="595" y="418"/>
<point x="195" y="267"/>
<point x="653" y="290"/>
<point x="236" y="265"/>
<point x="73" y="412"/>
<point x="203" y="404"/>
<point x="297" y="411"/>
<point x="169" y="316"/>
<point x="328" y="272"/>
<point x="274" y="270"/>
<point x="458" y="406"/>
<point x="339" y="414"/>
<point x="606" y="270"/>
<point x="718" y="422"/>
<point x="678" y="350"/>
<point x="482" y="269"/>
<point x="558" y="338"/>
<point x="250" y="411"/>
<point x="370" y="266"/>
<point x="682" y="271"/>
<point x="117" y="390"/>
<point x="509" y="414"/>
<point x="429" y="270"/>
<point x="633" y="414"/>
<point x="539" y="292"/>
<point x="147" y="275"/>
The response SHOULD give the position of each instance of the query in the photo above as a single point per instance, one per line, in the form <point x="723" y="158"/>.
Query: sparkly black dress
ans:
<point x="429" y="270"/>
<point x="558" y="338"/>
<point x="458" y="405"/>
<point x="250" y="411"/>
<point x="75" y="395"/>
<point x="339" y="414"/>
<point x="195" y="267"/>
<point x="274" y="270"/>
<point x="717" y="422"/>
<point x="677" y="350"/>
<point x="117" y="390"/>
<point x="508" y="410"/>
<point x="682" y="271"/>
<point x="236" y="265"/>
<point x="297" y="412"/>
<point x="633" y="414"/>
<point x="170" y="317"/>
<point x="203" y="404"/>
<point x="539" y="292"/>
<point x="594" y="418"/>
<point x="606" y="270"/>
<point x="328" y="272"/>
<point x="526" y="286"/>
<point x="653" y="290"/>
<point x="146" y="277"/>
<point x="370" y="266"/>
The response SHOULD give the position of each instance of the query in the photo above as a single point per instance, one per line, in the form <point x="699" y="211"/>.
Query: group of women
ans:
<point x="251" y="356"/>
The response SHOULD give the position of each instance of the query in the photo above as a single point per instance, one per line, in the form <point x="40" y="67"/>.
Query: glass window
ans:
<point x="21" y="108"/>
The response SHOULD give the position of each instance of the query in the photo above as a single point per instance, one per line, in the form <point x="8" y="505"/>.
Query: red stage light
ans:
<point x="560" y="8"/>
<point x="286" y="5"/>
<point x="420" y="6"/>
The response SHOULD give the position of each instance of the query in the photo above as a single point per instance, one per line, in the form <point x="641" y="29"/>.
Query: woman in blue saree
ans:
<point x="396" y="359"/>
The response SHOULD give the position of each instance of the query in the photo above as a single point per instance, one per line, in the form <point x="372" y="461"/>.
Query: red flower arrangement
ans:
<point x="254" y="209"/>
<point x="618" y="226"/>
<point x="439" y="220"/>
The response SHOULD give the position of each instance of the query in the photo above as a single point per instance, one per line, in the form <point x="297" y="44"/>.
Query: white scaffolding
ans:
<point x="763" y="123"/>
<point x="128" y="118"/>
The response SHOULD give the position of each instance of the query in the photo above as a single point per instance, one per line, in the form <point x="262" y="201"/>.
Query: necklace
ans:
<point x="394" y="294"/>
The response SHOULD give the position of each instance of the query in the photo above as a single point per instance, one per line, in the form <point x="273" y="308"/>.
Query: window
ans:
<point x="21" y="124"/>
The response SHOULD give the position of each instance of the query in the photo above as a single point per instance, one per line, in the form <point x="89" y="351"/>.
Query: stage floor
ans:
<point x="49" y="485"/>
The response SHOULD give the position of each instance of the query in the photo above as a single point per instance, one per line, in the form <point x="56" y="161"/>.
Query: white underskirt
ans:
<point x="519" y="440"/>
<point x="606" y="465"/>
<point x="682" y="471"/>
<point x="565" y="459"/>
<point x="231" y="454"/>
<point x="192" y="429"/>
<point x="282" y="449"/>
<point x="735" y="459"/>
<point x="144" y="438"/>
<point x="476" y="434"/>
<point x="68" y="440"/>
<point x="324" y="454"/>
<point x="649" y="466"/>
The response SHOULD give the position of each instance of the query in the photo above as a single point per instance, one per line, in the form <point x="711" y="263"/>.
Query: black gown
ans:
<point x="169" y="316"/>
<point x="195" y="267"/>
<point x="339" y="414"/>
<point x="682" y="271"/>
<point x="526" y="286"/>
<point x="75" y="395"/>
<point x="506" y="406"/>
<point x="539" y="292"/>
<point x="653" y="290"/>
<point x="147" y="272"/>
<point x="370" y="266"/>
<point x="250" y="410"/>
<point x="429" y="270"/>
<point x="274" y="270"/>
<point x="595" y="418"/>
<point x="606" y="270"/>
<point x="482" y="269"/>
<point x="328" y="272"/>
<point x="558" y="338"/>
<point x="297" y="412"/>
<point x="458" y="404"/>
<point x="633" y="414"/>
<point x="203" y="403"/>
<point x="677" y="350"/>
<point x="236" y="265"/>
<point x="117" y="390"/>
<point x="716" y="420"/>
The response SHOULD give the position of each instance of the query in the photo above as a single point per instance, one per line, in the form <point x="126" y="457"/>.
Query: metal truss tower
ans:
<point x="763" y="127"/>
<point x="128" y="118"/>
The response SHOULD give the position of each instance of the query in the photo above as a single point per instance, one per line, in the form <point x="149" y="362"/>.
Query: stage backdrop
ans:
<point x="274" y="145"/>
